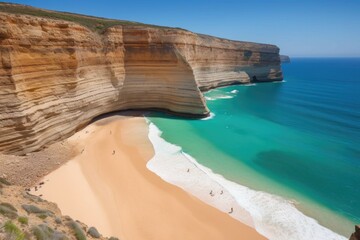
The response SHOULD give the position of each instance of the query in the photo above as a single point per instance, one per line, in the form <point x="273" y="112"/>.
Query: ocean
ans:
<point x="298" y="139"/>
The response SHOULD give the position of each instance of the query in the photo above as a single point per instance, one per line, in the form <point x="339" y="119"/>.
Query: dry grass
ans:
<point x="94" y="23"/>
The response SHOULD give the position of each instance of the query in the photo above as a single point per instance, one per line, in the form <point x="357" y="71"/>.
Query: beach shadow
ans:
<point x="153" y="113"/>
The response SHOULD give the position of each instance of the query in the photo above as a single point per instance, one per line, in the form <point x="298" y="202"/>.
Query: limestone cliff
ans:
<point x="285" y="59"/>
<point x="55" y="75"/>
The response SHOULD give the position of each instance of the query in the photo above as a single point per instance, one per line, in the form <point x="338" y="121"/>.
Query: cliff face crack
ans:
<point x="56" y="76"/>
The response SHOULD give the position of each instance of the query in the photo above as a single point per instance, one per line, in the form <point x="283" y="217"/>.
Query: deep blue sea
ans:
<point x="299" y="139"/>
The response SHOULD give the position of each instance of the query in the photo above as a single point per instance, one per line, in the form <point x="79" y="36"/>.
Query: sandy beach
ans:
<point x="108" y="185"/>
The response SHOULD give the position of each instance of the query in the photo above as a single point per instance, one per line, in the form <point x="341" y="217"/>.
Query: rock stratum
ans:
<point x="56" y="75"/>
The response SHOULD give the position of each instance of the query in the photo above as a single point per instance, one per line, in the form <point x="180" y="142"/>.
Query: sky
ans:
<point x="300" y="28"/>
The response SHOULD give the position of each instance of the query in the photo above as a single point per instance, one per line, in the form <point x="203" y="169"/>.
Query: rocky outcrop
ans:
<point x="356" y="234"/>
<point x="55" y="76"/>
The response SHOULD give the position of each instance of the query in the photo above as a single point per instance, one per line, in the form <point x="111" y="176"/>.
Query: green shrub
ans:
<point x="58" y="220"/>
<point x="93" y="232"/>
<point x="78" y="232"/>
<point x="44" y="232"/>
<point x="35" y="209"/>
<point x="42" y="216"/>
<point x="23" y="220"/>
<point x="8" y="205"/>
<point x="14" y="232"/>
<point x="32" y="197"/>
<point x="8" y="210"/>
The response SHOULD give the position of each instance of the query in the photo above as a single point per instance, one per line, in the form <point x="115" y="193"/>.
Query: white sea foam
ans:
<point x="282" y="81"/>
<point x="211" y="116"/>
<point x="249" y="84"/>
<point x="219" y="97"/>
<point x="273" y="216"/>
<point x="209" y="98"/>
<point x="234" y="91"/>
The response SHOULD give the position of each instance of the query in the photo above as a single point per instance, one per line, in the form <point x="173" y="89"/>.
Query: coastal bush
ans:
<point x="78" y="232"/>
<point x="23" y="220"/>
<point x="8" y="210"/>
<point x="42" y="216"/>
<point x="44" y="232"/>
<point x="58" y="220"/>
<point x="32" y="197"/>
<point x="35" y="209"/>
<point x="113" y="238"/>
<point x="93" y="232"/>
<point x="96" y="24"/>
<point x="13" y="231"/>
<point x="8" y="205"/>
<point x="40" y="234"/>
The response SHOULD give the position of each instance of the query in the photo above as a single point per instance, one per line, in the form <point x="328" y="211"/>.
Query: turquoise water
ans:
<point x="298" y="139"/>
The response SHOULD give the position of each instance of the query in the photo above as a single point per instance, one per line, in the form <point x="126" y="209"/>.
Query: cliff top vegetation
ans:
<point x="96" y="24"/>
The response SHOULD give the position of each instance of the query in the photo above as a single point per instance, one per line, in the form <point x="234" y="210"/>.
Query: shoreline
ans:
<point x="271" y="215"/>
<point x="132" y="202"/>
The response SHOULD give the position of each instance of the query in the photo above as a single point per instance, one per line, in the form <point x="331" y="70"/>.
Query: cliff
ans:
<point x="284" y="59"/>
<point x="56" y="75"/>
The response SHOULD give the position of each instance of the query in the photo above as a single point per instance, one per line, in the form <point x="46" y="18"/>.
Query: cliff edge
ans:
<point x="285" y="59"/>
<point x="56" y="75"/>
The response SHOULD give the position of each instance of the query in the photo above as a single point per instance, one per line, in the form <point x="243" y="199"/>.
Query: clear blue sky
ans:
<point x="299" y="27"/>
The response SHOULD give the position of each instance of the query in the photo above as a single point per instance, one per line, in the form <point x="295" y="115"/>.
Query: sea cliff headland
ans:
<point x="285" y="59"/>
<point x="56" y="75"/>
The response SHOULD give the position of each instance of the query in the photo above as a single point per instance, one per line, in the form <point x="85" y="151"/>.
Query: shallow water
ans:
<point x="298" y="139"/>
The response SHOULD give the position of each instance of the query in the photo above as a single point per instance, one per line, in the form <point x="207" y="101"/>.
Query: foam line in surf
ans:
<point x="211" y="116"/>
<point x="272" y="216"/>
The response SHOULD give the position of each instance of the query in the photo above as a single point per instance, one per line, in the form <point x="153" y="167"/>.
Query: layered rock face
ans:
<point x="55" y="76"/>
